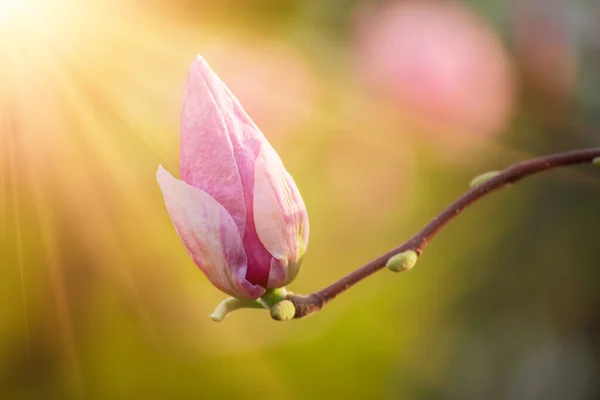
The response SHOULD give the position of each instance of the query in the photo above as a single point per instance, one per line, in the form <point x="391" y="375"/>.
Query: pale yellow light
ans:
<point x="11" y="10"/>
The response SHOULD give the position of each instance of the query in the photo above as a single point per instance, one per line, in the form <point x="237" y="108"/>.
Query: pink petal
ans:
<point x="279" y="215"/>
<point x="246" y="141"/>
<point x="210" y="236"/>
<point x="278" y="274"/>
<point x="259" y="258"/>
<point x="207" y="153"/>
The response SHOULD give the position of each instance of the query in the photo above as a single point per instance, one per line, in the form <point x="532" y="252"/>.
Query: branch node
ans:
<point x="306" y="305"/>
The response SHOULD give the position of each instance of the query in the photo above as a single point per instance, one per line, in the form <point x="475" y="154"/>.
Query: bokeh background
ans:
<point x="382" y="111"/>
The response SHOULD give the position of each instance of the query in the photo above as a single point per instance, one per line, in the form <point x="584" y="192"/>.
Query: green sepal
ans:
<point x="231" y="304"/>
<point x="273" y="296"/>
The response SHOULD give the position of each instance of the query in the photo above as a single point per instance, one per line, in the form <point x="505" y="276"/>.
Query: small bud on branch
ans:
<point x="402" y="262"/>
<point x="283" y="311"/>
<point x="481" y="186"/>
<point x="486" y="176"/>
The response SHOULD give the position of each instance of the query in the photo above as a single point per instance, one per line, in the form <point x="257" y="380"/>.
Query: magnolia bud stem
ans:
<point x="274" y="296"/>
<point x="306" y="305"/>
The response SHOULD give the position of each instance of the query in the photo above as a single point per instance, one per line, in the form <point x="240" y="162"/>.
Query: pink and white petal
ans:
<point x="245" y="137"/>
<point x="207" y="154"/>
<point x="302" y="217"/>
<point x="210" y="235"/>
<point x="221" y="91"/>
<point x="278" y="273"/>
<point x="279" y="213"/>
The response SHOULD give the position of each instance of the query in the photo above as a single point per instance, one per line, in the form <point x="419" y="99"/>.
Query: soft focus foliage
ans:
<point x="100" y="299"/>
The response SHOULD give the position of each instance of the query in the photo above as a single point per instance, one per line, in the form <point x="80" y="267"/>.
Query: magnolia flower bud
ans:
<point x="236" y="209"/>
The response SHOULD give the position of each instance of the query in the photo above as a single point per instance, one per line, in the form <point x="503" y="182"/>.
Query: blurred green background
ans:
<point x="382" y="112"/>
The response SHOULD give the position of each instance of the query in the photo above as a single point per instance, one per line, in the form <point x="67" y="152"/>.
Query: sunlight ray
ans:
<point x="31" y="177"/>
<point x="78" y="184"/>
<point x="18" y="238"/>
<point x="51" y="255"/>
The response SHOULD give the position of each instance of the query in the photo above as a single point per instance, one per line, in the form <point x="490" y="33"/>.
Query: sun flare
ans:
<point x="15" y="12"/>
<point x="9" y="8"/>
<point x="66" y="99"/>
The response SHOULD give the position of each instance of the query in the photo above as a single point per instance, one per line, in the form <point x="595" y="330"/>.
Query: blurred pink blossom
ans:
<point x="437" y="61"/>
<point x="236" y="209"/>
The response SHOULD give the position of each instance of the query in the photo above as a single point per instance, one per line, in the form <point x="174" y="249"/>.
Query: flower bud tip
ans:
<point x="596" y="161"/>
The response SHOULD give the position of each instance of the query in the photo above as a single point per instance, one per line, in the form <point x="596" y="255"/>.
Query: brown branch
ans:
<point x="306" y="305"/>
